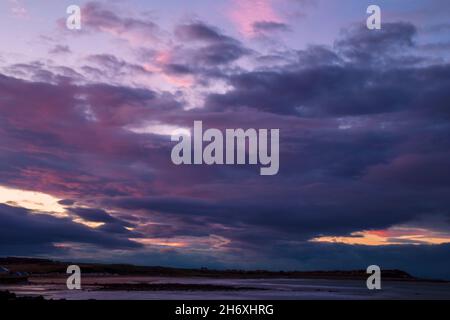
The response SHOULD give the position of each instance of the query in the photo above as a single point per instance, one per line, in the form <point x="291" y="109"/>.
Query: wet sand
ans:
<point x="155" y="288"/>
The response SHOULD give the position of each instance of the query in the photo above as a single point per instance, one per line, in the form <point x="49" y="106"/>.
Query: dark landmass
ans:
<point x="36" y="266"/>
<point x="9" y="296"/>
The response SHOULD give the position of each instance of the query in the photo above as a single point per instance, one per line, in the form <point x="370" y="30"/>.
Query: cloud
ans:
<point x="18" y="9"/>
<point x="263" y="27"/>
<point x="364" y="139"/>
<point x="267" y="18"/>
<point x="246" y="13"/>
<point x="47" y="124"/>
<point x="113" y="67"/>
<point x="96" y="215"/>
<point x="326" y="82"/>
<point x="198" y="31"/>
<point x="420" y="170"/>
<point x="60" y="49"/>
<point x="22" y="229"/>
<point x="107" y="222"/>
<point x="363" y="46"/>
<point x="216" y="48"/>
<point x="99" y="17"/>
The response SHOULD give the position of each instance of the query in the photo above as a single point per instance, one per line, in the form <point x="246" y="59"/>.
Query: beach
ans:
<point x="191" y="288"/>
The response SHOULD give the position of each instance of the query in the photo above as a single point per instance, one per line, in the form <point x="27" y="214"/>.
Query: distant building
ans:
<point x="7" y="277"/>
<point x="3" y="270"/>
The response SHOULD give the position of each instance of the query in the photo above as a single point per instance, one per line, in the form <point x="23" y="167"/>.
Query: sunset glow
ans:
<point x="392" y="236"/>
<point x="32" y="200"/>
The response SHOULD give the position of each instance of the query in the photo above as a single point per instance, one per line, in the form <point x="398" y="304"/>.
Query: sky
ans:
<point x="86" y="117"/>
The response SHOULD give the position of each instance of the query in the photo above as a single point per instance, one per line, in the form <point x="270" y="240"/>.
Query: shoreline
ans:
<point x="199" y="288"/>
<point x="44" y="267"/>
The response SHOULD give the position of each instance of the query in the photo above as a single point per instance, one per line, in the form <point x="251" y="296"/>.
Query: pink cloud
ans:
<point x="245" y="13"/>
<point x="18" y="9"/>
<point x="412" y="169"/>
<point x="136" y="30"/>
<point x="163" y="59"/>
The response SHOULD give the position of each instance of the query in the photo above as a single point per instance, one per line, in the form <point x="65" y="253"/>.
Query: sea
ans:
<point x="253" y="289"/>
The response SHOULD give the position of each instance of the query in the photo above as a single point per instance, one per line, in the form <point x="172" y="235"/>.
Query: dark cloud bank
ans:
<point x="364" y="128"/>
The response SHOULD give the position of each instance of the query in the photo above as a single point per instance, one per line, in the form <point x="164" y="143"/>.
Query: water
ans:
<point x="262" y="289"/>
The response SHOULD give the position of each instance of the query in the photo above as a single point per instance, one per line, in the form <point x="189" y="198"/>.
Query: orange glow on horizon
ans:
<point x="32" y="200"/>
<point x="211" y="242"/>
<point x="391" y="236"/>
<point x="90" y="224"/>
<point x="40" y="203"/>
<point x="160" y="242"/>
